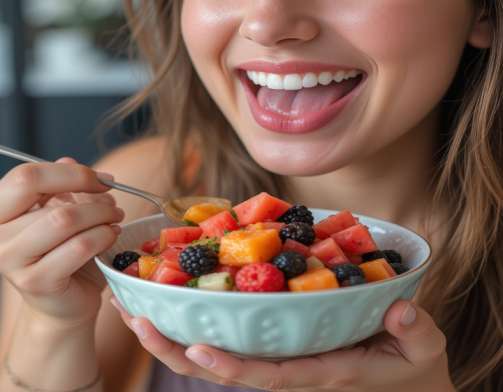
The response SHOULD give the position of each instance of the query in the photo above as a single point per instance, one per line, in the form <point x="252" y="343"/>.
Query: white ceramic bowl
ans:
<point x="274" y="326"/>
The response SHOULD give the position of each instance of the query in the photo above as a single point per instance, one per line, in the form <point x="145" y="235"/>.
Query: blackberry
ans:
<point x="344" y="271"/>
<point x="353" y="281"/>
<point x="125" y="259"/>
<point x="398" y="268"/>
<point x="297" y="213"/>
<point x="374" y="255"/>
<point x="392" y="256"/>
<point x="198" y="260"/>
<point x="298" y="231"/>
<point x="292" y="264"/>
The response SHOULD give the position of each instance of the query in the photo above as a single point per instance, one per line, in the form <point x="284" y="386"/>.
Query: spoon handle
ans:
<point x="10" y="152"/>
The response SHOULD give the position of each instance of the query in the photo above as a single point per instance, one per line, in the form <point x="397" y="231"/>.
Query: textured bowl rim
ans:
<point x="418" y="270"/>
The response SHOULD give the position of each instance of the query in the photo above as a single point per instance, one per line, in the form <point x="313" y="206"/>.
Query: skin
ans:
<point x="381" y="145"/>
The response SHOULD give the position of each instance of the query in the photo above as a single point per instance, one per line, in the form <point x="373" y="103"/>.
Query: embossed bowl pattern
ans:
<point x="275" y="326"/>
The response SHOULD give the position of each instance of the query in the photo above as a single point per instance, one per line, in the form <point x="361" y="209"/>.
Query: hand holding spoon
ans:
<point x="172" y="209"/>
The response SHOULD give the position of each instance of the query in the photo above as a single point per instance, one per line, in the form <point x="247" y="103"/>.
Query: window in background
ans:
<point x="77" y="70"/>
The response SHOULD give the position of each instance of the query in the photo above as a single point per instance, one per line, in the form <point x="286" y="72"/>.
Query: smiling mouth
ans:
<point x="299" y="102"/>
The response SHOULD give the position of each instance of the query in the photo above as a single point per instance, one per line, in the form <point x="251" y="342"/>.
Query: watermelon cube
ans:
<point x="164" y="273"/>
<point x="328" y="252"/>
<point x="170" y="257"/>
<point x="151" y="246"/>
<point x="184" y="235"/>
<point x="132" y="270"/>
<point x="294" y="246"/>
<point x="262" y="207"/>
<point x="333" y="224"/>
<point x="355" y="240"/>
<point x="218" y="225"/>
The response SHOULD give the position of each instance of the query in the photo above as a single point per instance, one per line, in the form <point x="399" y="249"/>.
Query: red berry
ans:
<point x="260" y="277"/>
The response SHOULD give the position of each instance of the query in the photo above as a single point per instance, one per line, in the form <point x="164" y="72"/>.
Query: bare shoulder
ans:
<point x="142" y="164"/>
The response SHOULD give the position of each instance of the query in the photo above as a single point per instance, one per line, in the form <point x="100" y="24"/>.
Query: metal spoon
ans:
<point x="172" y="209"/>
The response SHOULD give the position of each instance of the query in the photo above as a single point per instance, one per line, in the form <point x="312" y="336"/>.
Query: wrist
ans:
<point x="52" y="354"/>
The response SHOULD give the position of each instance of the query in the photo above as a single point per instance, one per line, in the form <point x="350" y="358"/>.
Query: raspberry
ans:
<point x="198" y="260"/>
<point x="260" y="277"/>
<point x="298" y="231"/>
<point x="124" y="260"/>
<point x="292" y="264"/>
<point x="297" y="213"/>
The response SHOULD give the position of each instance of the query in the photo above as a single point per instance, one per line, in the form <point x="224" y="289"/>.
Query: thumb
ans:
<point x="419" y="338"/>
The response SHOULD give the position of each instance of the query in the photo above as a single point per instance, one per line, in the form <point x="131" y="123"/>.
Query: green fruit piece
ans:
<point x="218" y="281"/>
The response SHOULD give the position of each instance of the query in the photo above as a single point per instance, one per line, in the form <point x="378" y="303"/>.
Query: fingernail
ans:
<point x="105" y="176"/>
<point x="117" y="229"/>
<point x="408" y="315"/>
<point x="202" y="358"/>
<point x="138" y="329"/>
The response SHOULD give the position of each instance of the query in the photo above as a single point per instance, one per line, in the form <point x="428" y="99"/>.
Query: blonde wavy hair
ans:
<point x="464" y="288"/>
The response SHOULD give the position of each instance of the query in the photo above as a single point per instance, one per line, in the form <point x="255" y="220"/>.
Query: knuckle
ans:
<point x="83" y="246"/>
<point x="84" y="175"/>
<point x="26" y="282"/>
<point x="25" y="175"/>
<point x="63" y="217"/>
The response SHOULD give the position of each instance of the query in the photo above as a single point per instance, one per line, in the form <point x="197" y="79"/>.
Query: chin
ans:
<point x="291" y="165"/>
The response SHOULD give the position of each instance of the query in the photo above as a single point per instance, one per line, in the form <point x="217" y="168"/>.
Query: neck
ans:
<point x="393" y="184"/>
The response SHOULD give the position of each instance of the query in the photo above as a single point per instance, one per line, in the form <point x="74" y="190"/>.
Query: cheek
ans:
<point x="207" y="28"/>
<point x="414" y="47"/>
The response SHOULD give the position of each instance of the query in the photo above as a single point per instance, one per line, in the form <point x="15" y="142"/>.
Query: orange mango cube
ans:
<point x="201" y="212"/>
<point x="147" y="266"/>
<point x="377" y="270"/>
<point x="242" y="247"/>
<point x="316" y="279"/>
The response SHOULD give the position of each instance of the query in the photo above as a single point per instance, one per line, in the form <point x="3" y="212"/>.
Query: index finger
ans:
<point x="23" y="186"/>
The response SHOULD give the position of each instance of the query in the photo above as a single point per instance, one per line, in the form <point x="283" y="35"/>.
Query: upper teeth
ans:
<point x="299" y="81"/>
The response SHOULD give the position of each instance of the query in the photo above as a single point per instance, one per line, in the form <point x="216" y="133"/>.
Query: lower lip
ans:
<point x="305" y="123"/>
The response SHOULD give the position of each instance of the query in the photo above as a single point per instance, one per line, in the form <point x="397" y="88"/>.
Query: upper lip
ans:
<point x="291" y="67"/>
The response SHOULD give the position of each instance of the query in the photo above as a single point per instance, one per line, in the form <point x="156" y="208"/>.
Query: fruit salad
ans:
<point x="263" y="244"/>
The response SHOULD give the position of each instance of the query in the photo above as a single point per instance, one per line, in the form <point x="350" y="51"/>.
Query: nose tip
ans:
<point x="273" y="24"/>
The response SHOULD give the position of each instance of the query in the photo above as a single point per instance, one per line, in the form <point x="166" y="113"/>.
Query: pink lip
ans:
<point x="289" y="67"/>
<point x="305" y="123"/>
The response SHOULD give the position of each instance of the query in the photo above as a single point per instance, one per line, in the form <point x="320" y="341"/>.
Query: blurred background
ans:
<point x="63" y="66"/>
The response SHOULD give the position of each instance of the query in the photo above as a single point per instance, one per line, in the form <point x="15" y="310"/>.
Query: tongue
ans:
<point x="306" y="100"/>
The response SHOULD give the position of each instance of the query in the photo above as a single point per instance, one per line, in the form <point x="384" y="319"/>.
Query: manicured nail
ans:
<point x="105" y="176"/>
<point x="117" y="229"/>
<point x="202" y="358"/>
<point x="138" y="328"/>
<point x="408" y="315"/>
